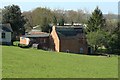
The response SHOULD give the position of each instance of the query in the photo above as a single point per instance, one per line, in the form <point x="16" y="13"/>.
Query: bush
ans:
<point x="16" y="43"/>
<point x="102" y="50"/>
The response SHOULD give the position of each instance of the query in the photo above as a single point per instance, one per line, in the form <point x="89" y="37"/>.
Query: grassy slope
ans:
<point x="31" y="63"/>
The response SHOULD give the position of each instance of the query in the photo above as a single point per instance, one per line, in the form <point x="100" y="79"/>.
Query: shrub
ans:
<point x="102" y="50"/>
<point x="16" y="43"/>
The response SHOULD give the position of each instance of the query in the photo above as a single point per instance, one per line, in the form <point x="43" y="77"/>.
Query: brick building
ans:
<point x="41" y="39"/>
<point x="68" y="39"/>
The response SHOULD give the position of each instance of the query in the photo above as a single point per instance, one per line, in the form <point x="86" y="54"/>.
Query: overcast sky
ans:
<point x="106" y="7"/>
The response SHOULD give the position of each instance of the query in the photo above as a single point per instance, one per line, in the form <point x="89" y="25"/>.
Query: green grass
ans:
<point x="32" y="63"/>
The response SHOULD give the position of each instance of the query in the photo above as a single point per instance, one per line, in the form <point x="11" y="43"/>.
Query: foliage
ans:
<point x="39" y="16"/>
<point x="31" y="63"/>
<point x="61" y="21"/>
<point x="114" y="41"/>
<point x="54" y="20"/>
<point x="44" y="25"/>
<point x="29" y="21"/>
<point x="96" y="21"/>
<point x="16" y="43"/>
<point x="28" y="26"/>
<point x="107" y="39"/>
<point x="95" y="35"/>
<point x="12" y="14"/>
<point x="97" y="39"/>
<point x="35" y="16"/>
<point x="111" y="24"/>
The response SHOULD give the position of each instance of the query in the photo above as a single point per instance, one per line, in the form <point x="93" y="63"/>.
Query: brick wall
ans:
<point x="73" y="45"/>
<point x="70" y="44"/>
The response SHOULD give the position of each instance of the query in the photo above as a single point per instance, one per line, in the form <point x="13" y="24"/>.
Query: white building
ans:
<point x="5" y="34"/>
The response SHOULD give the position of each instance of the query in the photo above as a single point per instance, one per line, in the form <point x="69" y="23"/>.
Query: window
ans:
<point x="3" y="35"/>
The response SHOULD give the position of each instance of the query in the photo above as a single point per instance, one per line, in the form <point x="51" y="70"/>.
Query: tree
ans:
<point x="71" y="15"/>
<point x="97" y="39"/>
<point x="39" y="14"/>
<point x="12" y="14"/>
<point x="111" y="23"/>
<point x="114" y="41"/>
<point x="96" y="36"/>
<point x="28" y="26"/>
<point x="54" y="20"/>
<point x="96" y="21"/>
<point x="118" y="39"/>
<point x="29" y="20"/>
<point x="61" y="21"/>
<point x="44" y="25"/>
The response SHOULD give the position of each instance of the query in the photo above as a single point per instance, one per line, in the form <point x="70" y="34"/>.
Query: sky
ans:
<point x="106" y="7"/>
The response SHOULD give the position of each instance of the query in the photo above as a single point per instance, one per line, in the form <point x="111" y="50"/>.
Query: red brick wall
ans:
<point x="42" y="41"/>
<point x="73" y="45"/>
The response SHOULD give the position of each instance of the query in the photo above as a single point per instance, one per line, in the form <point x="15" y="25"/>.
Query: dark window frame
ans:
<point x="3" y="35"/>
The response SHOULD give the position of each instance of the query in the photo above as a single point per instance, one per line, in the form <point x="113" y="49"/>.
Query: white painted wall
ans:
<point x="24" y="40"/>
<point x="7" y="37"/>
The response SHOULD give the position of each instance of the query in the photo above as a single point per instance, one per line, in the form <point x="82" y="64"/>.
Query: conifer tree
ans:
<point x="96" y="21"/>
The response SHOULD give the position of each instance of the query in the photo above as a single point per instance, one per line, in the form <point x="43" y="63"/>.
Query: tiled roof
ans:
<point x="37" y="33"/>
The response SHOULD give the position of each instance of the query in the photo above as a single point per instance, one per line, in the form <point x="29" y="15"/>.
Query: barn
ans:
<point x="41" y="39"/>
<point x="68" y="39"/>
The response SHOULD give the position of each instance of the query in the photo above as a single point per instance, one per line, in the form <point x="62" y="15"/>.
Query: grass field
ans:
<point x="32" y="63"/>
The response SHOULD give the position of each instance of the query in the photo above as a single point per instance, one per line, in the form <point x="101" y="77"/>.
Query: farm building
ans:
<point x="36" y="37"/>
<point x="62" y="39"/>
<point x="68" y="39"/>
<point x="5" y="34"/>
